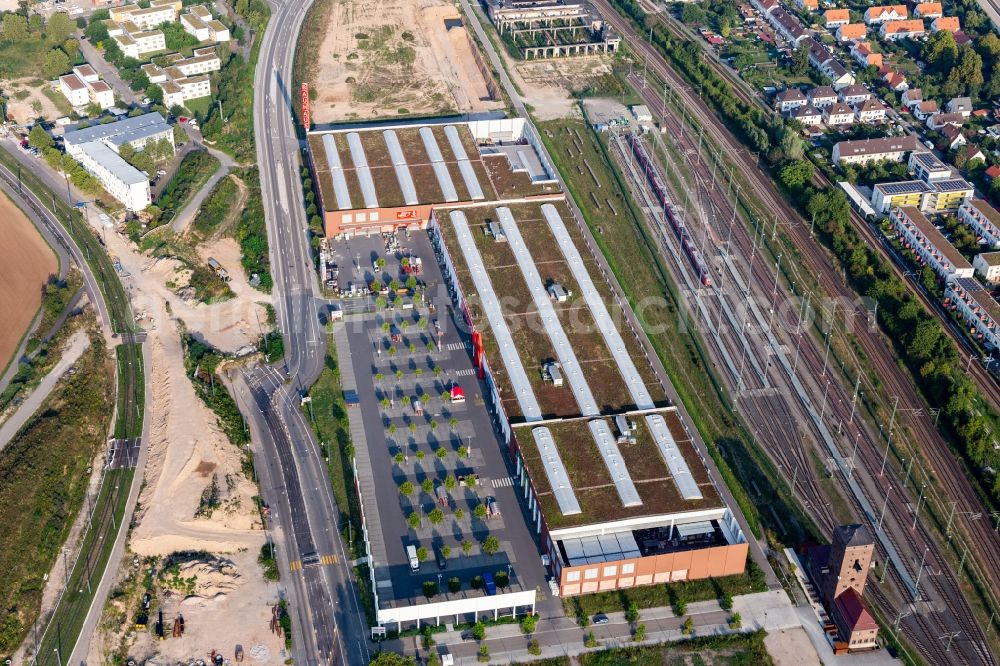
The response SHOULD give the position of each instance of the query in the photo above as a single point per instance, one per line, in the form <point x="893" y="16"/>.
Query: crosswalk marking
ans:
<point x="466" y="372"/>
<point x="455" y="346"/>
<point x="505" y="482"/>
<point x="295" y="565"/>
<point x="328" y="559"/>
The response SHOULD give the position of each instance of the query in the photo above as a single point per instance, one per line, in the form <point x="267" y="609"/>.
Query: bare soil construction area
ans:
<point x="396" y="57"/>
<point x="26" y="262"/>
<point x="27" y="101"/>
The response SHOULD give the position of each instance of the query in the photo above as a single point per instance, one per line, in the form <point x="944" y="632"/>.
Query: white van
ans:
<point x="411" y="553"/>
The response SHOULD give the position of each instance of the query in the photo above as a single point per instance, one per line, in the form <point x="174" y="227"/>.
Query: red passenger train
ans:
<point x="680" y="230"/>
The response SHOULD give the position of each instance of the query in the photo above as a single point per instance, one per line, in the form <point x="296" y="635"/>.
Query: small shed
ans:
<point x="642" y="114"/>
<point x="552" y="374"/>
<point x="558" y="293"/>
<point x="495" y="231"/>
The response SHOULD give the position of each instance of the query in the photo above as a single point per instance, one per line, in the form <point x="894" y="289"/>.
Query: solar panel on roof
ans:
<point x="951" y="185"/>
<point x="494" y="314"/>
<point x="612" y="339"/>
<point x="340" y="191"/>
<point x="908" y="187"/>
<point x="555" y="471"/>
<point x="401" y="167"/>
<point x="361" y="168"/>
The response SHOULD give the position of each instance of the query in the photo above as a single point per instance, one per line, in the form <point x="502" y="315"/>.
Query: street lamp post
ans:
<point x="884" y="505"/>
<point x="920" y="571"/>
<point x="916" y="512"/>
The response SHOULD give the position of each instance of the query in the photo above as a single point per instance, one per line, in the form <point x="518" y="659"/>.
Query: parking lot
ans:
<point x="441" y="478"/>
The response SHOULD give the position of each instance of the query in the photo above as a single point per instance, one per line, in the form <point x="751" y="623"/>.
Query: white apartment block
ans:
<point x="863" y="151"/>
<point x="75" y="90"/>
<point x="928" y="246"/>
<point x="83" y="87"/>
<point x="838" y="114"/>
<point x="978" y="310"/>
<point x="198" y="21"/>
<point x="136" y="132"/>
<point x="134" y="41"/>
<point x="983" y="219"/>
<point x="987" y="264"/>
<point x="185" y="78"/>
<point x="121" y="180"/>
<point x="145" y="19"/>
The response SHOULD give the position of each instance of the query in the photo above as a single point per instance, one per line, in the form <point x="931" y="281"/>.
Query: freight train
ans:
<point x="676" y="223"/>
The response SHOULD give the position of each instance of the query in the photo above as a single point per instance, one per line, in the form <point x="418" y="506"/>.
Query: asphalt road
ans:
<point x="322" y="599"/>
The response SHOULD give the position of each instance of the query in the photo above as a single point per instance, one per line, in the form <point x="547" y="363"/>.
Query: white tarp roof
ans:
<point x="672" y="455"/>
<point x="555" y="471"/>
<point x="520" y="383"/>
<point x="401" y="167"/>
<point x="437" y="163"/>
<point x="361" y="168"/>
<point x="464" y="165"/>
<point x="612" y="338"/>
<point x="340" y="190"/>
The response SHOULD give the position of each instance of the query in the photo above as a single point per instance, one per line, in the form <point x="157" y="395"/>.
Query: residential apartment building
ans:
<point x="855" y="94"/>
<point x="874" y="15"/>
<point x="96" y="149"/>
<point x="133" y="41"/>
<point x="907" y="29"/>
<point x="808" y="115"/>
<point x="838" y="114"/>
<point x="947" y="195"/>
<point x="870" y="111"/>
<point x="987" y="265"/>
<point x="928" y="10"/>
<point x="925" y="109"/>
<point x="894" y="79"/>
<point x="946" y="23"/>
<point x="789" y="100"/>
<point x="904" y="194"/>
<point x="121" y="180"/>
<point x="977" y="308"/>
<point x="928" y="245"/>
<point x="83" y="87"/>
<point x="836" y="18"/>
<point x="863" y="151"/>
<point x="927" y="167"/>
<point x="807" y="5"/>
<point x="787" y="26"/>
<point x="198" y="21"/>
<point x="852" y="32"/>
<point x="983" y="219"/>
<point x="145" y="19"/>
<point x="185" y="78"/>
<point x="822" y="96"/>
<point x="839" y="75"/>
<point x="75" y="90"/>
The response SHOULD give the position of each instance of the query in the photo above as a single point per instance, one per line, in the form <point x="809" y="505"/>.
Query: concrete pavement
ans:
<point x="77" y="344"/>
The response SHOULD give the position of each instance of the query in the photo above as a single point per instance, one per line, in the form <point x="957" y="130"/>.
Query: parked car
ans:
<point x="183" y="119"/>
<point x="442" y="561"/>
<point x="601" y="618"/>
<point x="161" y="172"/>
<point x="489" y="584"/>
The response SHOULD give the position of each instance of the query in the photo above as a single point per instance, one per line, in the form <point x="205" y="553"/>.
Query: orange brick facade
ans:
<point x="687" y="565"/>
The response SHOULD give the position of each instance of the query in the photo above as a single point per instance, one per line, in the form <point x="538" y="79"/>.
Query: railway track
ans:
<point x="926" y="438"/>
<point x="788" y="450"/>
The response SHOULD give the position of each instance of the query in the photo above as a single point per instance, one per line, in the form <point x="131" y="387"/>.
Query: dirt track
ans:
<point x="26" y="262"/>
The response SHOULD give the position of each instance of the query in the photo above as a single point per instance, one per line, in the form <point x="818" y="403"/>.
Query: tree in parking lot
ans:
<point x="490" y="545"/>
<point x="413" y="520"/>
<point x="39" y="138"/>
<point x="480" y="511"/>
<point x="528" y="622"/>
<point x="454" y="584"/>
<point x="436" y="516"/>
<point x="428" y="486"/>
<point x="479" y="629"/>
<point x="466" y="547"/>
<point x="430" y="589"/>
<point x="406" y="488"/>
<point x="502" y="579"/>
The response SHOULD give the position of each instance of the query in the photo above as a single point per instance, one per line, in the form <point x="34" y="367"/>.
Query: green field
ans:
<point x="43" y="479"/>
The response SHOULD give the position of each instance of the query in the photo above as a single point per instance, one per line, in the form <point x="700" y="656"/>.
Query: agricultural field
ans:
<point x="26" y="264"/>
